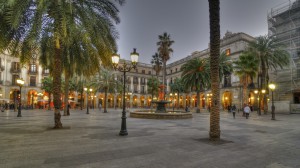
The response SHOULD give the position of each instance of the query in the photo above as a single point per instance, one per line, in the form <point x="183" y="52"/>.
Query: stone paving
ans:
<point x="92" y="141"/>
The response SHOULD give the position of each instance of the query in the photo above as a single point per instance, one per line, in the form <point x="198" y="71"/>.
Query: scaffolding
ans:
<point x="284" y="23"/>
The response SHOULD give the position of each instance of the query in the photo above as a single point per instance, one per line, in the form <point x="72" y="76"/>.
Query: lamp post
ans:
<point x="124" y="68"/>
<point x="272" y="87"/>
<point x="258" y="92"/>
<point x="20" y="82"/>
<point x="88" y="90"/>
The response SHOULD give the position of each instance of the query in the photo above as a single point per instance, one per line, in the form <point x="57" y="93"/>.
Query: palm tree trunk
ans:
<point x="214" y="22"/>
<point x="198" y="101"/>
<point x="245" y="93"/>
<point x="105" y="99"/>
<point x="56" y="87"/>
<point x="164" y="78"/>
<point x="81" y="99"/>
<point x="49" y="101"/>
<point x="67" y="77"/>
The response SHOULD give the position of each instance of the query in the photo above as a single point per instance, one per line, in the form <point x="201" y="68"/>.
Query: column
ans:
<point x="139" y="85"/>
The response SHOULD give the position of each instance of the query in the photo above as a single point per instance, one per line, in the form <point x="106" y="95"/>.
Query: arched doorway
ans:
<point x="227" y="100"/>
<point x="134" y="101"/>
<point x="32" y="99"/>
<point x="142" y="100"/>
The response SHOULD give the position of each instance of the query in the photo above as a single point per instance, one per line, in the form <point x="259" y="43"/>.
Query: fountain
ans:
<point x="161" y="112"/>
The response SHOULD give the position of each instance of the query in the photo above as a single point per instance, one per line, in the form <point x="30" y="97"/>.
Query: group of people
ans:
<point x="246" y="110"/>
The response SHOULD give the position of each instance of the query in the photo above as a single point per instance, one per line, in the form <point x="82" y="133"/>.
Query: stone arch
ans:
<point x="227" y="99"/>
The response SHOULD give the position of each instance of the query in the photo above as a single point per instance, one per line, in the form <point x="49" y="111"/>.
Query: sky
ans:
<point x="187" y="22"/>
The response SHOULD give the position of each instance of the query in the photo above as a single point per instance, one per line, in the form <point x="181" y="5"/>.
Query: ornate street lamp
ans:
<point x="20" y="82"/>
<point x="124" y="68"/>
<point x="88" y="90"/>
<point x="272" y="86"/>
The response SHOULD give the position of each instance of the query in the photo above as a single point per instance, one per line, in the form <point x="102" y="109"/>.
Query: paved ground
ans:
<point x="92" y="141"/>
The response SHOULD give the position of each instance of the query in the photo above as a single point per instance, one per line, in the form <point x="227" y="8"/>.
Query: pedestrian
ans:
<point x="233" y="109"/>
<point x="68" y="109"/>
<point x="247" y="111"/>
<point x="100" y="106"/>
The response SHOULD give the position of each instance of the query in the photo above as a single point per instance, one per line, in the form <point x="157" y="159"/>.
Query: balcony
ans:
<point x="15" y="70"/>
<point x="32" y="84"/>
<point x="31" y="72"/>
<point x="1" y="68"/>
<point x="46" y="73"/>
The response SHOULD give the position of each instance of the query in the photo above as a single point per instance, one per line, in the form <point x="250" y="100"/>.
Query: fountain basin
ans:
<point x="166" y="115"/>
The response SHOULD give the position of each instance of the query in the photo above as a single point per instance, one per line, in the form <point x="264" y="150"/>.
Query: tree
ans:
<point x="52" y="27"/>
<point x="214" y="24"/>
<point x="152" y="86"/>
<point x="246" y="68"/>
<point x="270" y="55"/>
<point x="196" y="75"/>
<point x="164" y="50"/>
<point x="47" y="85"/>
<point x="105" y="80"/>
<point x="225" y="66"/>
<point x="156" y="63"/>
<point x="178" y="87"/>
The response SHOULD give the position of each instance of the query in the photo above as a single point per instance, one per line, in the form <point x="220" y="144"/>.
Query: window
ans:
<point x="15" y="66"/>
<point x="46" y="71"/>
<point x="143" y="71"/>
<point x="149" y="72"/>
<point x="176" y="70"/>
<point x="14" y="79"/>
<point x="171" y="70"/>
<point x="32" y="81"/>
<point x="227" y="51"/>
<point x="143" y="89"/>
<point x="32" y="68"/>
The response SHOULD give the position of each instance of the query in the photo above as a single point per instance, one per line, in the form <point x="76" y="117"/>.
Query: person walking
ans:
<point x="100" y="106"/>
<point x="247" y="111"/>
<point x="233" y="109"/>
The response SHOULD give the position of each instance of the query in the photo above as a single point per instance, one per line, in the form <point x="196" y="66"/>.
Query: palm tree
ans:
<point x="225" y="66"/>
<point x="195" y="75"/>
<point x="47" y="85"/>
<point x="164" y="50"/>
<point x="156" y="63"/>
<point x="152" y="86"/>
<point x="105" y="80"/>
<point x="178" y="87"/>
<point x="214" y="23"/>
<point x="53" y="26"/>
<point x="271" y="55"/>
<point x="246" y="68"/>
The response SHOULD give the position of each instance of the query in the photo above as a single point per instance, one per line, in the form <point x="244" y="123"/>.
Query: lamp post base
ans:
<point x="123" y="133"/>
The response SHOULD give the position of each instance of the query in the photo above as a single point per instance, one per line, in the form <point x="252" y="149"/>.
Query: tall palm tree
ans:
<point x="53" y="26"/>
<point x="246" y="68"/>
<point x="156" y="63"/>
<point x="105" y="80"/>
<point x="164" y="50"/>
<point x="271" y="55"/>
<point x="195" y="74"/>
<point x="214" y="24"/>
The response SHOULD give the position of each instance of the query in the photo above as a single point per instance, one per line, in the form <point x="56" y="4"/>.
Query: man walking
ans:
<point x="247" y="110"/>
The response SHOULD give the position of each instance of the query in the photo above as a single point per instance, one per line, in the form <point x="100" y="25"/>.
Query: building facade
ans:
<point x="284" y="23"/>
<point x="233" y="44"/>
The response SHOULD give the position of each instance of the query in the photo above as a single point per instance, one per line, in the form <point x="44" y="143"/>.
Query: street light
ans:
<point x="272" y="87"/>
<point x="124" y="68"/>
<point x="263" y="91"/>
<point x="20" y="82"/>
<point x="88" y="90"/>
